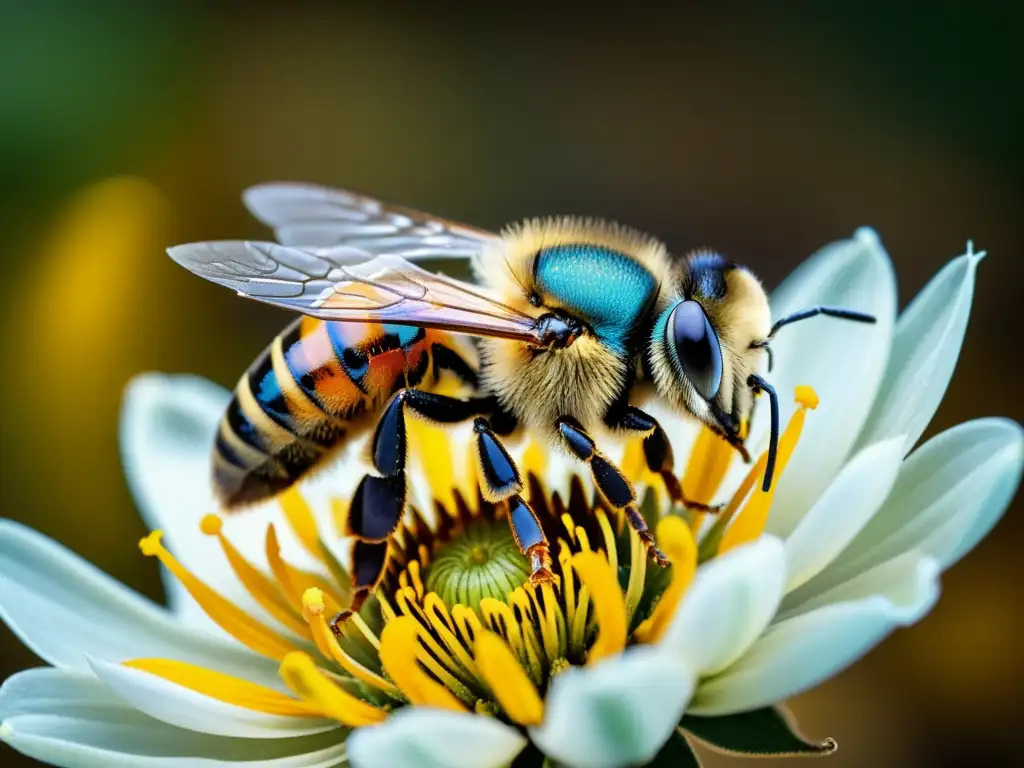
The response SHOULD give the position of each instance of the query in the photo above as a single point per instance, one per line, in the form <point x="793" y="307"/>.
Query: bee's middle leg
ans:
<point x="658" y="454"/>
<point x="500" y="481"/>
<point x="613" y="485"/>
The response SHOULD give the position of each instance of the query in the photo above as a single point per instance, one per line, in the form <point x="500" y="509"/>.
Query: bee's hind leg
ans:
<point x="613" y="485"/>
<point x="658" y="454"/>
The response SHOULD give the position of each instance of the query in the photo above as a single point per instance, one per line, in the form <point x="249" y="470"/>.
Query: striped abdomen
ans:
<point x="316" y="384"/>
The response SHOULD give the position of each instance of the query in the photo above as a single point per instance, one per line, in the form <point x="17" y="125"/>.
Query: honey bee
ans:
<point x="572" y="325"/>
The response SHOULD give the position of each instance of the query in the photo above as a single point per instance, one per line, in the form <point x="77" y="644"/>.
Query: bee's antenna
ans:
<point x="758" y="384"/>
<point x="803" y="314"/>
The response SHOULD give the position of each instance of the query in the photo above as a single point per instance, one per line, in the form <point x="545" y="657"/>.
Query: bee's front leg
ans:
<point x="658" y="453"/>
<point x="613" y="485"/>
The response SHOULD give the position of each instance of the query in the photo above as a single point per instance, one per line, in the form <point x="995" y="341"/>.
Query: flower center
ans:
<point x="483" y="561"/>
<point x="454" y="621"/>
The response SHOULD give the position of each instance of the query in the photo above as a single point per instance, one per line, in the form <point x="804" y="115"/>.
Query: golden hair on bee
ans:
<point x="532" y="386"/>
<point x="508" y="265"/>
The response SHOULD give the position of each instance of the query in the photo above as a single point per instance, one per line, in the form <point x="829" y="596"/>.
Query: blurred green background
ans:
<point x="127" y="127"/>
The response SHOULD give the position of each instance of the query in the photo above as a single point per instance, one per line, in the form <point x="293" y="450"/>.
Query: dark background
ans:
<point x="126" y="127"/>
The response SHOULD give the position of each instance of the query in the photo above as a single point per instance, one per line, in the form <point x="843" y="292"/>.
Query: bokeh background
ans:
<point x="127" y="127"/>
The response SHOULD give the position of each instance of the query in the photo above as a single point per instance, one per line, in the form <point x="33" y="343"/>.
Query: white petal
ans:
<point x="168" y="425"/>
<point x="730" y="602"/>
<point x="435" y="738"/>
<point x="948" y="495"/>
<point x="843" y="361"/>
<point x="52" y="691"/>
<point x="619" y="712"/>
<point x="166" y="432"/>
<point x="72" y="719"/>
<point x="842" y="511"/>
<point x="185" y="708"/>
<point x="896" y="579"/>
<point x="65" y="609"/>
<point x="801" y="652"/>
<point x="78" y="743"/>
<point x="929" y="334"/>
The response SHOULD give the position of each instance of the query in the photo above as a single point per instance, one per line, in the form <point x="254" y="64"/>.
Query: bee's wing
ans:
<point x="348" y="284"/>
<point x="307" y="215"/>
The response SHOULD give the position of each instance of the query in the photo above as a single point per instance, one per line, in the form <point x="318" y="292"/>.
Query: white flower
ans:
<point x="241" y="669"/>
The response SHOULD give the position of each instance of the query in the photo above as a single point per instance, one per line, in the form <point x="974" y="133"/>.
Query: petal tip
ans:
<point x="973" y="255"/>
<point x="868" y="236"/>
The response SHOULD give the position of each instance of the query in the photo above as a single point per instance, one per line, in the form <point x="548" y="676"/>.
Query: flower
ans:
<point x="454" y="661"/>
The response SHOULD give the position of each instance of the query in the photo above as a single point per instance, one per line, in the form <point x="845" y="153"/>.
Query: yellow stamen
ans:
<point x="502" y="620"/>
<point x="232" y="619"/>
<point x="535" y="459"/>
<point x="430" y="444"/>
<point x="294" y="581"/>
<point x="302" y="676"/>
<point x="634" y="467"/>
<point x="637" y="572"/>
<point x="399" y="647"/>
<point x="546" y="619"/>
<point x="432" y="656"/>
<point x="339" y="514"/>
<point x="609" y="539"/>
<point x="634" y="464"/>
<point x="262" y="588"/>
<point x="705" y="470"/>
<point x="437" y="613"/>
<point x="750" y="522"/>
<point x="300" y="518"/>
<point x="609" y="604"/>
<point x="327" y="643"/>
<point x="677" y="542"/>
<point x="507" y="680"/>
<point x="231" y="690"/>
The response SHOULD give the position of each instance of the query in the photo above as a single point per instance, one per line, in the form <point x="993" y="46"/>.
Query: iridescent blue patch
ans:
<point x="604" y="287"/>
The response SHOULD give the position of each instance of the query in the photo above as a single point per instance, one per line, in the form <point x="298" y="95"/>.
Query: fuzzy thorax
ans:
<point x="525" y="270"/>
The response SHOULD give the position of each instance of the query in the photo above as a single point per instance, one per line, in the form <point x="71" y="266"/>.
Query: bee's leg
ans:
<point x="369" y="561"/>
<point x="379" y="501"/>
<point x="613" y="485"/>
<point x="658" y="453"/>
<point x="500" y="481"/>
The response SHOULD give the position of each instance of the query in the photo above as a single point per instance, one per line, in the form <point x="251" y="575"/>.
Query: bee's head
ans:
<point x="687" y="358"/>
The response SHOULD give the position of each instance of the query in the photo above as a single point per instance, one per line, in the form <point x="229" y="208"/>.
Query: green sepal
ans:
<point x="769" y="731"/>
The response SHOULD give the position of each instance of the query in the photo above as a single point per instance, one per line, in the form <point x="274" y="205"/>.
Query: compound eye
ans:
<point x="696" y="347"/>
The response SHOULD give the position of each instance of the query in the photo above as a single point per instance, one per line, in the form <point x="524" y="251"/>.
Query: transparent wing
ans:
<point x="307" y="215"/>
<point x="348" y="284"/>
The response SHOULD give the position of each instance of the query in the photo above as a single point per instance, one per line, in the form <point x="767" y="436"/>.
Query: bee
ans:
<point x="570" y="327"/>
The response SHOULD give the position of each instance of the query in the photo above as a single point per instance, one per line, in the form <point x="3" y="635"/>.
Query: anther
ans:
<point x="313" y="600"/>
<point x="211" y="525"/>
<point x="806" y="396"/>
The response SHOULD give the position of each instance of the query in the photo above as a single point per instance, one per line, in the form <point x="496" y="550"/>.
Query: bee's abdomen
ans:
<point x="300" y="400"/>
